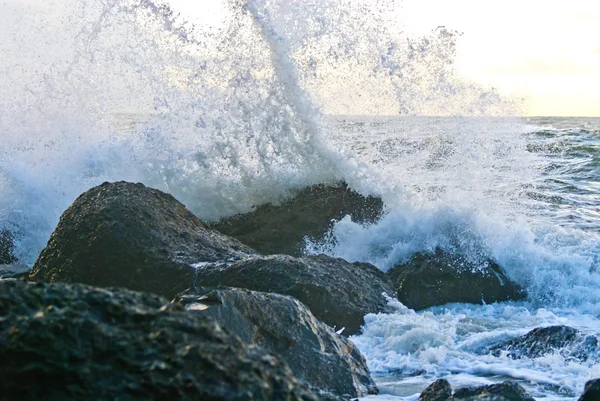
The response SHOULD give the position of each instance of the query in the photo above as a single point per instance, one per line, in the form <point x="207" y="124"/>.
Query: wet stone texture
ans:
<point x="337" y="292"/>
<point x="328" y="362"/>
<point x="128" y="235"/>
<point x="567" y="341"/>
<point x="431" y="279"/>
<point x="60" y="342"/>
<point x="281" y="229"/>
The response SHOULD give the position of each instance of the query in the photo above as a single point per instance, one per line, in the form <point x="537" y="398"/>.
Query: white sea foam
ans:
<point x="453" y="341"/>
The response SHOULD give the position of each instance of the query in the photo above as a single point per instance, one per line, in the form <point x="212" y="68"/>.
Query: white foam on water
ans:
<point x="453" y="342"/>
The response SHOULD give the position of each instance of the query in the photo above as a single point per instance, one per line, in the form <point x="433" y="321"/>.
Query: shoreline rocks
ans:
<point x="61" y="341"/>
<point x="510" y="391"/>
<point x="569" y="342"/>
<point x="435" y="279"/>
<point x="281" y="229"/>
<point x="440" y="390"/>
<point x="337" y="292"/>
<point x="128" y="235"/>
<point x="331" y="364"/>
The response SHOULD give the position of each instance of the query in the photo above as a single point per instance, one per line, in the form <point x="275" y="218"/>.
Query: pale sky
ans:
<point x="546" y="51"/>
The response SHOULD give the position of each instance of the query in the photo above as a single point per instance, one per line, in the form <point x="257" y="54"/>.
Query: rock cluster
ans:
<point x="256" y="324"/>
<point x="127" y="235"/>
<point x="337" y="292"/>
<point x="61" y="341"/>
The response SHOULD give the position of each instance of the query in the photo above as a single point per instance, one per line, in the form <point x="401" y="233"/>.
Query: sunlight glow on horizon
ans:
<point x="547" y="52"/>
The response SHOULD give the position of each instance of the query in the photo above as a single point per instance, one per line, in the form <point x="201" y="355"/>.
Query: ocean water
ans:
<point x="279" y="95"/>
<point x="522" y="192"/>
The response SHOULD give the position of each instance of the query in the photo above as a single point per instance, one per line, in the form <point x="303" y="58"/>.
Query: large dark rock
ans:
<point x="591" y="391"/>
<point x="569" y="342"/>
<point x="328" y="362"/>
<point x="337" y="292"/>
<point x="7" y="248"/>
<point x="127" y="235"/>
<point x="431" y="279"/>
<point x="273" y="229"/>
<point x="60" y="342"/>
<point x="510" y="391"/>
<point x="439" y="390"/>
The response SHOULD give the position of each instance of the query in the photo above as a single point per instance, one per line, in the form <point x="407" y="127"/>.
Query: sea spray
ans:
<point x="224" y="116"/>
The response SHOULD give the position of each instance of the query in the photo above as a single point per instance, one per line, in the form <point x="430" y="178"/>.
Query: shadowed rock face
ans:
<point x="331" y="364"/>
<point x="281" y="229"/>
<point x="337" y="292"/>
<point x="128" y="235"/>
<point x="439" y="278"/>
<point x="76" y="342"/>
<point x="440" y="390"/>
<point x="510" y="391"/>
<point x="592" y="391"/>
<point x="569" y="342"/>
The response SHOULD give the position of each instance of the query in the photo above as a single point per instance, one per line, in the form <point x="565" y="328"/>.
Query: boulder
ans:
<point x="431" y="279"/>
<point x="591" y="391"/>
<point x="331" y="364"/>
<point x="569" y="342"/>
<point x="127" y="235"/>
<point x="337" y="292"/>
<point x="439" y="390"/>
<point x="282" y="228"/>
<point x="510" y="391"/>
<point x="61" y="341"/>
<point x="7" y="248"/>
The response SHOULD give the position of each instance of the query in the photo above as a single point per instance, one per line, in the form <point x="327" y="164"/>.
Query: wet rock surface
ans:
<point x="127" y="235"/>
<point x="76" y="342"/>
<point x="510" y="391"/>
<point x="328" y="362"/>
<point x="431" y="279"/>
<point x="591" y="391"/>
<point x="337" y="292"/>
<point x="440" y="390"/>
<point x="281" y="229"/>
<point x="567" y="341"/>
